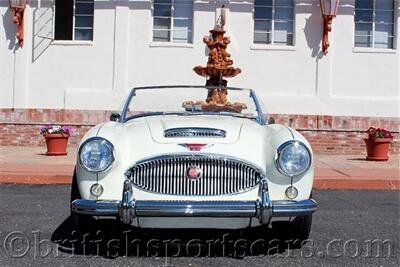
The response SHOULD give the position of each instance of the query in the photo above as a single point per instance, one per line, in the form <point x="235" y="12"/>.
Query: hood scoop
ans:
<point x="200" y="129"/>
<point x="194" y="132"/>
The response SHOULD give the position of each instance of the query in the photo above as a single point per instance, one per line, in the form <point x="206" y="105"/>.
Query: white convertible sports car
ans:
<point x="166" y="161"/>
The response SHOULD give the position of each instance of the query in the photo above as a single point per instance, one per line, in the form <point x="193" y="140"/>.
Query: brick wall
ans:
<point x="339" y="134"/>
<point x="327" y="134"/>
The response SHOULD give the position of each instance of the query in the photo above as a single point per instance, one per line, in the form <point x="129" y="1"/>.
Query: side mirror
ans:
<point x="115" y="116"/>
<point x="270" y="120"/>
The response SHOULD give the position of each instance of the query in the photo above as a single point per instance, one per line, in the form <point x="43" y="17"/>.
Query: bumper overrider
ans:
<point x="128" y="209"/>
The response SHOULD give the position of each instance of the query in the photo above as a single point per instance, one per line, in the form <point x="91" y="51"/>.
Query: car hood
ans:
<point x="230" y="126"/>
<point x="143" y="138"/>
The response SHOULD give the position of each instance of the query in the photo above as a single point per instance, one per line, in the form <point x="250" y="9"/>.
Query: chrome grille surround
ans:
<point x="194" y="132"/>
<point x="220" y="175"/>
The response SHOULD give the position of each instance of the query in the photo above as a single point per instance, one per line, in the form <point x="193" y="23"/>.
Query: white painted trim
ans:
<point x="73" y="19"/>
<point x="169" y="44"/>
<point x="370" y="50"/>
<point x="272" y="47"/>
<point x="72" y="43"/>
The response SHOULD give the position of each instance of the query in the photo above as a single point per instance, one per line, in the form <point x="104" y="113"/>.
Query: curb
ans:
<point x="35" y="179"/>
<point x="39" y="174"/>
<point x="356" y="184"/>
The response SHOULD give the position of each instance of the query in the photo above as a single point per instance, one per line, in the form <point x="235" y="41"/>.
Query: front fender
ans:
<point x="277" y="182"/>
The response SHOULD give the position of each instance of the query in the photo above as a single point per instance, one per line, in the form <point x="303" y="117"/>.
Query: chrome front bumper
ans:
<point x="129" y="208"/>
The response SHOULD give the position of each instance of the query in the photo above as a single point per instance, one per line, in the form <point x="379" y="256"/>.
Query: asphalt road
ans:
<point x="350" y="228"/>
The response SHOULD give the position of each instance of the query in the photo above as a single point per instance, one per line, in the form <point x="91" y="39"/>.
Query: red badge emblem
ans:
<point x="196" y="147"/>
<point x="193" y="172"/>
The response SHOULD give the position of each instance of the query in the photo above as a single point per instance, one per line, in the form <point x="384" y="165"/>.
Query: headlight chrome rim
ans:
<point x="108" y="143"/>
<point x="279" y="153"/>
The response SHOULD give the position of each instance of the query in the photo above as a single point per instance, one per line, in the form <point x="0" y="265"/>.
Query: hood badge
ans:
<point x="193" y="172"/>
<point x="196" y="147"/>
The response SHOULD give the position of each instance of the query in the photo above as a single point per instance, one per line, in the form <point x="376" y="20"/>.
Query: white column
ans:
<point x="14" y="62"/>
<point x="121" y="44"/>
<point x="22" y="61"/>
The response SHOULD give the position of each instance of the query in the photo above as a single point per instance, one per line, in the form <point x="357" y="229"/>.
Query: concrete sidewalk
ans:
<point x="30" y="165"/>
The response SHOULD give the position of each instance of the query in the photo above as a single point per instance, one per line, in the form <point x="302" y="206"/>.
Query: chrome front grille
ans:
<point x="194" y="132"/>
<point x="219" y="175"/>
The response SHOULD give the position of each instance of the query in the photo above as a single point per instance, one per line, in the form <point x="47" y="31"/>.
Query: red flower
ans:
<point x="374" y="133"/>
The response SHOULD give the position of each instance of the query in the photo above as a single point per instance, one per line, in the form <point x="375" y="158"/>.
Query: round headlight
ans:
<point x="293" y="158"/>
<point x="96" y="154"/>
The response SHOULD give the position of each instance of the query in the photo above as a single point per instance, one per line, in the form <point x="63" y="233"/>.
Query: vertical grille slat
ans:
<point x="206" y="177"/>
<point x="219" y="176"/>
<point x="175" y="186"/>
<point x="230" y="177"/>
<point x="211" y="180"/>
<point x="225" y="174"/>
<point x="217" y="181"/>
<point x="186" y="181"/>
<point x="199" y="188"/>
<point x="247" y="176"/>
<point x="234" y="184"/>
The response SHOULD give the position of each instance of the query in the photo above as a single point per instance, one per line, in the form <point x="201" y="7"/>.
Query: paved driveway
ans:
<point x="351" y="228"/>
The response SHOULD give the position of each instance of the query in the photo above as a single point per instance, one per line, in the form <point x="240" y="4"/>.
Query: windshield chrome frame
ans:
<point x="260" y="115"/>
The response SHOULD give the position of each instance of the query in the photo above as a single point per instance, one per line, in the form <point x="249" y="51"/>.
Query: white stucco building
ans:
<point x="86" y="55"/>
<point x="121" y="50"/>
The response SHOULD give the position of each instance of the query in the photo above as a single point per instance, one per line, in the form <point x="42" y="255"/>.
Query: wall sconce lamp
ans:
<point x="18" y="8"/>
<point x="329" y="10"/>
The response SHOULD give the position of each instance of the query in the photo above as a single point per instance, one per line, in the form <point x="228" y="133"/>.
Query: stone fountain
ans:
<point x="219" y="66"/>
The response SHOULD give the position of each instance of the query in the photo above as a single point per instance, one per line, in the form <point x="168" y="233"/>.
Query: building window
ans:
<point x="74" y="20"/>
<point x="273" y="22"/>
<point x="173" y="21"/>
<point x="374" y="23"/>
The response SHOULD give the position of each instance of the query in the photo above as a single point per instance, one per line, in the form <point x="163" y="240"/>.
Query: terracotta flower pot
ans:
<point x="56" y="144"/>
<point x="377" y="149"/>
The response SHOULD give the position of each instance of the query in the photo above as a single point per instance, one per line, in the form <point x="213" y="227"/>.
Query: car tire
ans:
<point x="295" y="232"/>
<point x="80" y="222"/>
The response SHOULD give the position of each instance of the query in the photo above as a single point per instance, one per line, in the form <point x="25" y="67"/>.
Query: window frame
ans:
<point x="74" y="15"/>
<point x="74" y="28"/>
<point x="373" y="30"/>
<point x="273" y="21"/>
<point x="171" y="25"/>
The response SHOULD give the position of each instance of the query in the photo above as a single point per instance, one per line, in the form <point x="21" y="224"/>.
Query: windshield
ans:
<point x="192" y="100"/>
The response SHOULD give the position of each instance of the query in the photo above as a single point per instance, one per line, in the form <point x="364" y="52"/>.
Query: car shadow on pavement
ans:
<point x="112" y="239"/>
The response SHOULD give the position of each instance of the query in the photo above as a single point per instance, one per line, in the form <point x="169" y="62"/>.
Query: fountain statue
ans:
<point x="218" y="67"/>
